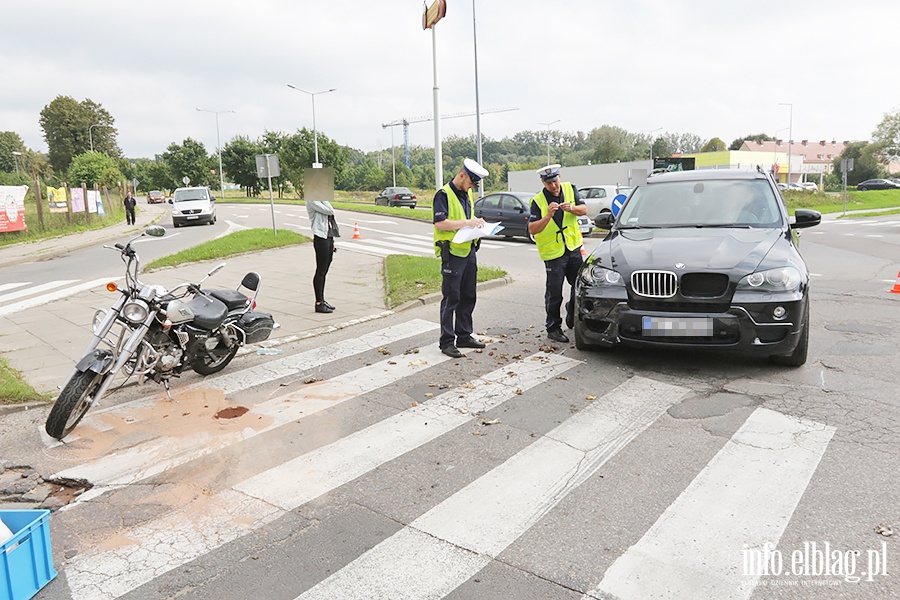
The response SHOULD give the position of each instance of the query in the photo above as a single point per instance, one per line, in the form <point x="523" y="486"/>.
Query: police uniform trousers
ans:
<point x="566" y="268"/>
<point x="460" y="278"/>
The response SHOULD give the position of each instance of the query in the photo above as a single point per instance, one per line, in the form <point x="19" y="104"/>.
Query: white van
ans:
<point x="193" y="205"/>
<point x="598" y="198"/>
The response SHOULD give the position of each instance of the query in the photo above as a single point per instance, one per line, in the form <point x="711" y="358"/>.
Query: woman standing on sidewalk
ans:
<point x="324" y="229"/>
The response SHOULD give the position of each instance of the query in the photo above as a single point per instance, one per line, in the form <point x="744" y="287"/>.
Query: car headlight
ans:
<point x="597" y="275"/>
<point x="135" y="311"/>
<point x="773" y="280"/>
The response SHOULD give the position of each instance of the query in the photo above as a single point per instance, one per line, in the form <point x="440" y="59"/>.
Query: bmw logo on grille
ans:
<point x="679" y="265"/>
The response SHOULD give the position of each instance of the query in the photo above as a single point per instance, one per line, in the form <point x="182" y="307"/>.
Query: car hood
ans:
<point x="191" y="205"/>
<point x="710" y="249"/>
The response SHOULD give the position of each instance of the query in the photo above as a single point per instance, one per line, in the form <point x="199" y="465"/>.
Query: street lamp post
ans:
<point x="16" y="156"/>
<point x="316" y="165"/>
<point x="218" y="148"/>
<point x="548" y="137"/>
<point x="91" y="133"/>
<point x="790" y="137"/>
<point x="650" y="133"/>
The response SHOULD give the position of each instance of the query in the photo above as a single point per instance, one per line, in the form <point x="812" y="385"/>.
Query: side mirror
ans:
<point x="804" y="217"/>
<point x="604" y="220"/>
<point x="212" y="198"/>
<point x="155" y="231"/>
<point x="170" y="201"/>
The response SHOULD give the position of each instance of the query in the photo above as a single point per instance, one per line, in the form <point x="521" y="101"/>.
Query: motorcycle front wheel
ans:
<point x="73" y="402"/>
<point x="214" y="360"/>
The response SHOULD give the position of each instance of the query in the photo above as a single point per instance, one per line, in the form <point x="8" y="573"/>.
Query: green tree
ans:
<point x="11" y="142"/>
<point x="713" y="145"/>
<point x="887" y="136"/>
<point x="70" y="126"/>
<point x="614" y="144"/>
<point x="239" y="163"/>
<point x="757" y="137"/>
<point x="298" y="154"/>
<point x="190" y="160"/>
<point x="866" y="163"/>
<point x="94" y="168"/>
<point x="152" y="174"/>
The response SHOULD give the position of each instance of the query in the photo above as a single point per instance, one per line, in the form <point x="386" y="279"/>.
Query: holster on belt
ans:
<point x="444" y="245"/>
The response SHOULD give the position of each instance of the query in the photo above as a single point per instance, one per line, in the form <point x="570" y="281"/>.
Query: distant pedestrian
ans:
<point x="554" y="225"/>
<point x="324" y="229"/>
<point x="129" y="203"/>
<point x="453" y="209"/>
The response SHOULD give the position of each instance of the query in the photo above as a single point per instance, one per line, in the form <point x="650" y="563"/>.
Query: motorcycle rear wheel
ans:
<point x="215" y="360"/>
<point x="73" y="402"/>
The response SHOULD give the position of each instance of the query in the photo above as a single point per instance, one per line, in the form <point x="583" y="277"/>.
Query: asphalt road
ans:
<point x="368" y="465"/>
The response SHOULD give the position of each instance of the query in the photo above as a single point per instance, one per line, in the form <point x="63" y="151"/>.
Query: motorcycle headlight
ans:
<point x="773" y="280"/>
<point x="135" y="311"/>
<point x="597" y="275"/>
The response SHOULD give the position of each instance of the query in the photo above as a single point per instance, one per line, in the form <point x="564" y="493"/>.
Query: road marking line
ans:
<point x="450" y="543"/>
<point x="208" y="523"/>
<point x="742" y="499"/>
<point x="12" y="286"/>
<point x="306" y="477"/>
<point x="53" y="296"/>
<point x="160" y="454"/>
<point x="36" y="289"/>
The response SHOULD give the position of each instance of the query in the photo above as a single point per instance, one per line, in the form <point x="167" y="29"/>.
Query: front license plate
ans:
<point x="193" y="217"/>
<point x="677" y="327"/>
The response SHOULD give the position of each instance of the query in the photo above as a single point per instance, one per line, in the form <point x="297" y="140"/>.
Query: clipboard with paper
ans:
<point x="467" y="234"/>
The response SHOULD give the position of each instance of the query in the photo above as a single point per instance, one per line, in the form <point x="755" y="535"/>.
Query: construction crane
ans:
<point x="406" y="123"/>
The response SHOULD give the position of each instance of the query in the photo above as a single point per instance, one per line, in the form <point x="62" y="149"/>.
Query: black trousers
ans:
<point x="324" y="254"/>
<point x="564" y="268"/>
<point x="458" y="302"/>
<point x="129" y="216"/>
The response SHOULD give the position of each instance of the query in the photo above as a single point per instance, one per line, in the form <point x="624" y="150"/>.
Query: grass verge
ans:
<point x="410" y="277"/>
<point x="247" y="240"/>
<point x="14" y="389"/>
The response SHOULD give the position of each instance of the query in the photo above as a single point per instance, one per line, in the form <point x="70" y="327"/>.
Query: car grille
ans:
<point x="704" y="285"/>
<point x="192" y="211"/>
<point x="654" y="284"/>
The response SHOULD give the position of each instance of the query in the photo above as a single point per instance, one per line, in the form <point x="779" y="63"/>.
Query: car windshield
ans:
<point x="184" y="195"/>
<point x="156" y="193"/>
<point x="714" y="203"/>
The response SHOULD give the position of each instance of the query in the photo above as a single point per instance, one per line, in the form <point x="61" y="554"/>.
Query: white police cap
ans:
<point x="475" y="171"/>
<point x="549" y="173"/>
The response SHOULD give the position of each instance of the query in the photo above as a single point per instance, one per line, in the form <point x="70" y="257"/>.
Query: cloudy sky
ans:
<point x="711" y="68"/>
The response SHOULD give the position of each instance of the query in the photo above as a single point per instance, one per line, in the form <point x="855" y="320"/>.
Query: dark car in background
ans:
<point x="155" y="197"/>
<point x="877" y="184"/>
<point x="510" y="209"/>
<point x="699" y="259"/>
<point x="396" y="196"/>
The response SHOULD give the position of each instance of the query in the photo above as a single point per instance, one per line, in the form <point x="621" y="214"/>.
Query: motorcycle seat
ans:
<point x="233" y="299"/>
<point x="208" y="312"/>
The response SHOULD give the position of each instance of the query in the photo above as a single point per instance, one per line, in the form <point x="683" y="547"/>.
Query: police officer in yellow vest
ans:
<point x="453" y="206"/>
<point x="554" y="225"/>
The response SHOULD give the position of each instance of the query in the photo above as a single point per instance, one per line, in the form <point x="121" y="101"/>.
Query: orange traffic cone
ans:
<point x="583" y="252"/>
<point x="356" y="235"/>
<point x="896" y="288"/>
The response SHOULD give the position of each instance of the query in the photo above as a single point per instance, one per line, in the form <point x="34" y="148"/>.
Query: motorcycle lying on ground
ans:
<point x="155" y="334"/>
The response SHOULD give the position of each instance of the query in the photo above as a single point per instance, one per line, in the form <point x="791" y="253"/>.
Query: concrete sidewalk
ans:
<point x="44" y="343"/>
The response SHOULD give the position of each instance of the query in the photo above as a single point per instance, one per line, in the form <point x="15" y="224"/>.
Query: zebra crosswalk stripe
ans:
<point x="742" y="499"/>
<point x="160" y="454"/>
<point x="68" y="290"/>
<point x="209" y="522"/>
<point x="450" y="543"/>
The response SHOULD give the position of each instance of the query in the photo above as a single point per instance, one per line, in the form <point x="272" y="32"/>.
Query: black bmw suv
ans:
<point x="705" y="259"/>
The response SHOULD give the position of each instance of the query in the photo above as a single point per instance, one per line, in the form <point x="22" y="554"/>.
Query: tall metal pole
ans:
<point x="315" y="132"/>
<point x="16" y="156"/>
<point x="650" y="132"/>
<point x="438" y="151"/>
<point x="548" y="137"/>
<point x="218" y="148"/>
<point x="477" y="106"/>
<point x="790" y="137"/>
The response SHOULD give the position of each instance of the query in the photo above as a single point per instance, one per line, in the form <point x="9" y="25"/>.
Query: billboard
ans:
<point x="12" y="208"/>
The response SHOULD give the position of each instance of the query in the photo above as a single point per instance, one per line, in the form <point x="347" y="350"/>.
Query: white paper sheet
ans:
<point x="470" y="233"/>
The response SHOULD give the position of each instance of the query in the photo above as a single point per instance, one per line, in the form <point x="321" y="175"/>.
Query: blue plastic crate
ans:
<point x="26" y="562"/>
